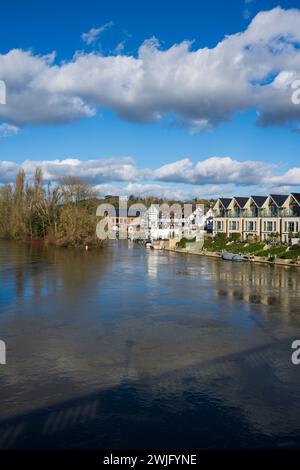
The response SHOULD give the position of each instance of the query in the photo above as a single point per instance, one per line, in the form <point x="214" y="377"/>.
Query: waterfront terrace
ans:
<point x="260" y="217"/>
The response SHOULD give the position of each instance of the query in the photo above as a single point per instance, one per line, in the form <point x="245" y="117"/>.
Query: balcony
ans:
<point x="251" y="213"/>
<point x="290" y="212"/>
<point x="270" y="213"/>
<point x="273" y="212"/>
<point x="235" y="214"/>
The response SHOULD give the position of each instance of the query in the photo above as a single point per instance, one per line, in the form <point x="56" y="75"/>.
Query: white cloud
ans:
<point x="211" y="171"/>
<point x="8" y="171"/>
<point x="31" y="102"/>
<point x="290" y="177"/>
<point x="144" y="190"/>
<point x="92" y="35"/>
<point x="7" y="130"/>
<point x="207" y="178"/>
<point x="221" y="170"/>
<point x="161" y="191"/>
<point x="253" y="69"/>
<point x="93" y="171"/>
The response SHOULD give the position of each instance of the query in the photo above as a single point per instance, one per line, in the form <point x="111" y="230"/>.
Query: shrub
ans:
<point x="235" y="236"/>
<point x="182" y="243"/>
<point x="294" y="247"/>
<point x="220" y="236"/>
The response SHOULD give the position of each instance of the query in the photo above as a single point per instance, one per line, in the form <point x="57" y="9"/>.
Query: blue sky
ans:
<point x="144" y="136"/>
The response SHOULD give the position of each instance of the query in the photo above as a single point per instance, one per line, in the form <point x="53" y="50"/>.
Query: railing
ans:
<point x="289" y="213"/>
<point x="268" y="213"/>
<point x="253" y="214"/>
<point x="232" y="215"/>
<point x="258" y="213"/>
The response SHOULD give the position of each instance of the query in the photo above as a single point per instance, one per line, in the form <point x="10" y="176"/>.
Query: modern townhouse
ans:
<point x="228" y="215"/>
<point x="235" y="215"/>
<point x="271" y="215"/>
<point x="220" y="213"/>
<point x="252" y="216"/>
<point x="259" y="216"/>
<point x="290" y="216"/>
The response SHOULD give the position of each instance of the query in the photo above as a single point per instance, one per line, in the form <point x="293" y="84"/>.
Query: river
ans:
<point x="125" y="348"/>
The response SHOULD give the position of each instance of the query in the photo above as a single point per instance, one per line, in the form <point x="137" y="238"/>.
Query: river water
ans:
<point x="125" y="348"/>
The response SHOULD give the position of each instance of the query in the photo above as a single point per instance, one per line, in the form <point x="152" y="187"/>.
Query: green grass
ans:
<point x="277" y="251"/>
<point x="182" y="243"/>
<point x="214" y="245"/>
<point x="251" y="248"/>
<point x="292" y="254"/>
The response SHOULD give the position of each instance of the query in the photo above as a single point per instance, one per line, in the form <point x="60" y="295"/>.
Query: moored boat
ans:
<point x="232" y="257"/>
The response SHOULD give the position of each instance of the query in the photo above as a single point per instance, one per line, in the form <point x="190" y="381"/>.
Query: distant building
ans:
<point x="160" y="222"/>
<point x="173" y="224"/>
<point x="126" y="223"/>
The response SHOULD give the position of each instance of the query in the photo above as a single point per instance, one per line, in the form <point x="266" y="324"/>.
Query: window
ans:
<point x="291" y="227"/>
<point x="234" y="225"/>
<point x="269" y="226"/>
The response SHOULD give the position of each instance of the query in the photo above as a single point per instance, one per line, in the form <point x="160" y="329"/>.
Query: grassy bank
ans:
<point x="281" y="251"/>
<point x="251" y="248"/>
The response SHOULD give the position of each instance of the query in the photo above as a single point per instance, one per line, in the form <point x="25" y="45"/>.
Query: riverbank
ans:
<point x="33" y="242"/>
<point x="254" y="259"/>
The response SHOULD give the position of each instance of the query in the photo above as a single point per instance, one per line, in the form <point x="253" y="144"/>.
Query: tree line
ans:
<point x="63" y="214"/>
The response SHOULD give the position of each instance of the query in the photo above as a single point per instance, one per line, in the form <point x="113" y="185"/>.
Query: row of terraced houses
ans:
<point x="260" y="216"/>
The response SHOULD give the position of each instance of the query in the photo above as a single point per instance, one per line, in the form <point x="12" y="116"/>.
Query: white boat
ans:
<point x="148" y="244"/>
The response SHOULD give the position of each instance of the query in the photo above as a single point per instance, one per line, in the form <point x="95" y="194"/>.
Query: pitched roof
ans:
<point x="296" y="196"/>
<point x="241" y="201"/>
<point x="279" y="199"/>
<point x="225" y="201"/>
<point x="259" y="200"/>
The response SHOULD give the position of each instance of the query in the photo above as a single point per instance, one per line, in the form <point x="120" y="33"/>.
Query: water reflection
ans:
<point x="132" y="339"/>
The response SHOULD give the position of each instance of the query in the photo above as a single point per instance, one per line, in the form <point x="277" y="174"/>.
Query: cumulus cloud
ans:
<point x="162" y="191"/>
<point x="183" y="178"/>
<point x="213" y="170"/>
<point x="145" y="190"/>
<point x="29" y="101"/>
<point x="7" y="130"/>
<point x="92" y="171"/>
<point x="92" y="35"/>
<point x="290" y="177"/>
<point x="202" y="88"/>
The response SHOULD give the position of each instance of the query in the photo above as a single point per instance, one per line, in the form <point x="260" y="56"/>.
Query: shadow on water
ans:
<point x="178" y="410"/>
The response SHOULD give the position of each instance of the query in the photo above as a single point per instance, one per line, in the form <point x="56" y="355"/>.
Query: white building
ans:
<point x="158" y="224"/>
